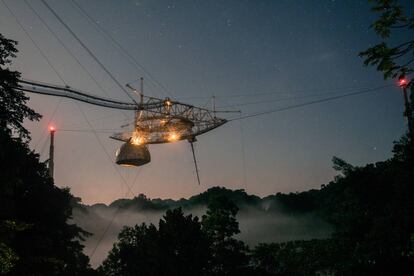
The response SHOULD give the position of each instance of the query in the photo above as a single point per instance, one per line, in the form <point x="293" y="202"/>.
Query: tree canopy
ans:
<point x="36" y="237"/>
<point x="393" y="59"/>
<point x="13" y="108"/>
<point x="177" y="247"/>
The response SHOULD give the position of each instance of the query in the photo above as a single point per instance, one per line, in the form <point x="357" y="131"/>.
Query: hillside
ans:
<point x="366" y="213"/>
<point x="273" y="218"/>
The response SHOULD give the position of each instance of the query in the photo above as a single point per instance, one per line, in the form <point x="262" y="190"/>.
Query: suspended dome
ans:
<point x="133" y="155"/>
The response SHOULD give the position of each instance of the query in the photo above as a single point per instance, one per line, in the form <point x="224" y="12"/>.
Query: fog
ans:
<point x="256" y="225"/>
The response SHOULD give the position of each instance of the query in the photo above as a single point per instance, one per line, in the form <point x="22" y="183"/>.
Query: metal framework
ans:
<point x="69" y="92"/>
<point x="170" y="122"/>
<point x="156" y="120"/>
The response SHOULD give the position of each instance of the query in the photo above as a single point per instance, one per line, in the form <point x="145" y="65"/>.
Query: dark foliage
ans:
<point x="182" y="245"/>
<point x="370" y="207"/>
<point x="312" y="257"/>
<point x="140" y="202"/>
<point x="177" y="247"/>
<point x="293" y="203"/>
<point x="35" y="236"/>
<point x="13" y="109"/>
<point x="229" y="256"/>
<point x="238" y="197"/>
<point x="396" y="60"/>
<point x="372" y="211"/>
<point x="46" y="244"/>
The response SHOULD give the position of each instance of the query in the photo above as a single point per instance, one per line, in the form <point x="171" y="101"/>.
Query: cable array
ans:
<point x="69" y="51"/>
<point x="88" y="50"/>
<point x="309" y="103"/>
<point x="82" y="112"/>
<point x="130" y="58"/>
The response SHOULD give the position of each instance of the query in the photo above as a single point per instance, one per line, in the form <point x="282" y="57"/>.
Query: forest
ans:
<point x="369" y="208"/>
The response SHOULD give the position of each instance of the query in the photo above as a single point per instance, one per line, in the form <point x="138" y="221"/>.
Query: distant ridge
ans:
<point x="303" y="202"/>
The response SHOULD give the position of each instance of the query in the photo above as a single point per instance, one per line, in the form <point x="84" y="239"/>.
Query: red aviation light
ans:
<point x="402" y="82"/>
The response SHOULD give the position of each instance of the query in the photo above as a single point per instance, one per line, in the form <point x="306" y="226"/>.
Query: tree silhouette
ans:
<point x="36" y="238"/>
<point x="177" y="247"/>
<point x="13" y="109"/>
<point x="393" y="61"/>
<point x="8" y="257"/>
<point x="313" y="257"/>
<point x="229" y="256"/>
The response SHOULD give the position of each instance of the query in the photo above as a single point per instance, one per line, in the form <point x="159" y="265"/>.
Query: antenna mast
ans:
<point x="141" y="91"/>
<point x="51" y="151"/>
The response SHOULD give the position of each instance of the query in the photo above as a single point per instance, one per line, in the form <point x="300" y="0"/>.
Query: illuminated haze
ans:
<point x="256" y="225"/>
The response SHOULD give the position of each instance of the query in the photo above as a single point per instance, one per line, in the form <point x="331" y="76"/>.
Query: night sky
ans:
<point x="242" y="52"/>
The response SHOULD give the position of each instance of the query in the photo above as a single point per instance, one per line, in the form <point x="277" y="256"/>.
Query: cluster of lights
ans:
<point x="173" y="136"/>
<point x="137" y="140"/>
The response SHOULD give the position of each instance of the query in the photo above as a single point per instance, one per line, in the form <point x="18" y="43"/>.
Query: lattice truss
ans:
<point x="156" y="120"/>
<point x="168" y="121"/>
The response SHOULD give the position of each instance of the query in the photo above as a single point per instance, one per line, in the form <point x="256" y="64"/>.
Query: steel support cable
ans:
<point x="103" y="118"/>
<point x="133" y="61"/>
<point x="279" y="92"/>
<point x="88" y="50"/>
<point x="84" y="115"/>
<point x="152" y="87"/>
<point x="242" y="149"/>
<point x="111" y="221"/>
<point x="88" y="130"/>
<point x="153" y="105"/>
<point x="118" y="120"/>
<point x="68" y="92"/>
<point x="376" y="89"/>
<point x="34" y="42"/>
<point x="119" y="173"/>
<point x="278" y="100"/>
<point x="149" y="87"/>
<point x="243" y="153"/>
<point x="103" y="148"/>
<point x="48" y="62"/>
<point x="61" y="78"/>
<point x="68" y="50"/>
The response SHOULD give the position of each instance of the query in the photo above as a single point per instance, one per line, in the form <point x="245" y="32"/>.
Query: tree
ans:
<point x="220" y="220"/>
<point x="35" y="236"/>
<point x="177" y="247"/>
<point x="313" y="257"/>
<point x="393" y="61"/>
<point x="371" y="210"/>
<point x="135" y="253"/>
<point x="8" y="257"/>
<point x="48" y="245"/>
<point x="229" y="256"/>
<point x="13" y="108"/>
